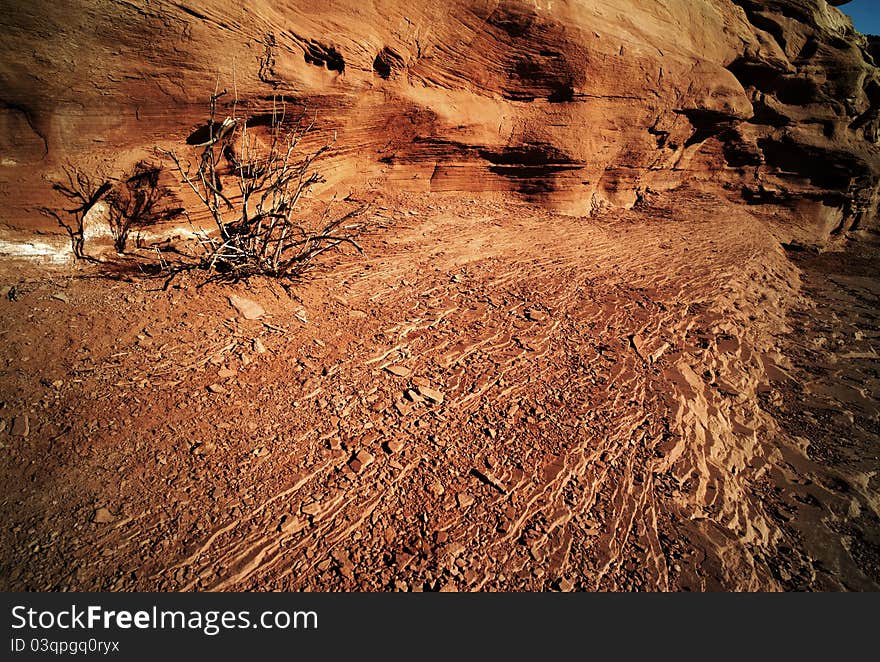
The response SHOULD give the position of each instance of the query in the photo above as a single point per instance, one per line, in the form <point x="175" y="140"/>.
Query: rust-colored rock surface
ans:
<point x="573" y="105"/>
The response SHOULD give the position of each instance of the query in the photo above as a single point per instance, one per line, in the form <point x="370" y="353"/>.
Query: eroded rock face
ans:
<point x="571" y="104"/>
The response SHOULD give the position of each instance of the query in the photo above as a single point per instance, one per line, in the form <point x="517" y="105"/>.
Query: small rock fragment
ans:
<point x="361" y="461"/>
<point x="398" y="370"/>
<point x="403" y="407"/>
<point x="312" y="509"/>
<point x="226" y="373"/>
<point x="216" y="388"/>
<point x="248" y="309"/>
<point x="394" y="445"/>
<point x="259" y="347"/>
<point x="61" y="296"/>
<point x="431" y="394"/>
<point x="21" y="426"/>
<point x="204" y="448"/>
<point x="291" y="524"/>
<point x="464" y="499"/>
<point x="102" y="516"/>
<point x="536" y="315"/>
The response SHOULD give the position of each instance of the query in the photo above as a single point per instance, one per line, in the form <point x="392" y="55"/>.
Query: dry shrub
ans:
<point x="251" y="186"/>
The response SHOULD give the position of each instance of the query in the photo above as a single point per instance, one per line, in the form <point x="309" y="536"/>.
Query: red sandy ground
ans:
<point x="492" y="397"/>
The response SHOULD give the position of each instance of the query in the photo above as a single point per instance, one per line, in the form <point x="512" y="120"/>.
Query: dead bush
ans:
<point x="251" y="182"/>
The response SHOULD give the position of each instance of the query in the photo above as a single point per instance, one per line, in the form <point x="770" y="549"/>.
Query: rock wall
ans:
<point x="571" y="104"/>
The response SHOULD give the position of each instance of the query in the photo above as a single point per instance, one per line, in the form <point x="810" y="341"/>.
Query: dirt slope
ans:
<point x="492" y="398"/>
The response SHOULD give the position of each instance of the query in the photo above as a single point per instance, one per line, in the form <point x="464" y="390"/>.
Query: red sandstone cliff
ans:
<point x="570" y="104"/>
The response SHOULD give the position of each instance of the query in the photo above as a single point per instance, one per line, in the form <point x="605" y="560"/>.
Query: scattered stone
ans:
<point x="436" y="488"/>
<point x="441" y="537"/>
<point x="103" y="516"/>
<point x="488" y="478"/>
<point x="403" y="559"/>
<point x="21" y="426"/>
<point x="58" y="383"/>
<point x="398" y="370"/>
<point x="464" y="499"/>
<point x="638" y="344"/>
<point x="659" y="352"/>
<point x="431" y="394"/>
<point x="403" y="407"/>
<point x="291" y="524"/>
<point x="565" y="585"/>
<point x="259" y="347"/>
<point x="312" y="509"/>
<point x="204" y="448"/>
<point x="217" y="388"/>
<point x="361" y="461"/>
<point x="61" y="296"/>
<point x="394" y="445"/>
<point x="226" y="373"/>
<point x="412" y="396"/>
<point x="536" y="315"/>
<point x="248" y="309"/>
<point x="346" y="570"/>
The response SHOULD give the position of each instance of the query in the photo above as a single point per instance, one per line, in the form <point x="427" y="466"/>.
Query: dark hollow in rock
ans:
<point x="533" y="166"/>
<point x="386" y="63"/>
<point x="324" y="56"/>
